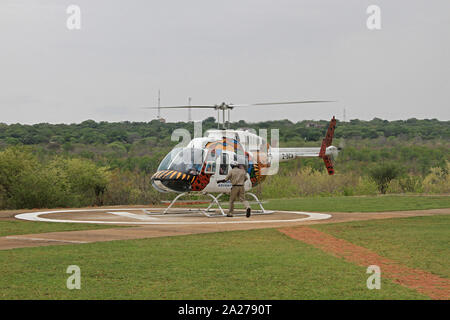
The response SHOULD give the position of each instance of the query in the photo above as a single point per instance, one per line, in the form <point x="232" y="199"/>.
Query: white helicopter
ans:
<point x="198" y="167"/>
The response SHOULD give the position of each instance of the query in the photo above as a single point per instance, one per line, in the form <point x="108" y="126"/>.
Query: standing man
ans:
<point x="237" y="176"/>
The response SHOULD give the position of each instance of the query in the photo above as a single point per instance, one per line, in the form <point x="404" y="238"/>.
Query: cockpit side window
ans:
<point x="165" y="164"/>
<point x="187" y="160"/>
<point x="212" y="155"/>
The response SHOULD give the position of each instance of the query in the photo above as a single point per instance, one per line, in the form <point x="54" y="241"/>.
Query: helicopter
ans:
<point x="204" y="162"/>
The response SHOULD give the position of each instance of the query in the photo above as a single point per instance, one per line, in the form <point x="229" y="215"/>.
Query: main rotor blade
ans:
<point x="275" y="103"/>
<point x="181" y="107"/>
<point x="231" y="106"/>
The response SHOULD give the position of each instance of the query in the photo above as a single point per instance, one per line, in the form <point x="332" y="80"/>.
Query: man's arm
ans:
<point x="228" y="177"/>
<point x="245" y="175"/>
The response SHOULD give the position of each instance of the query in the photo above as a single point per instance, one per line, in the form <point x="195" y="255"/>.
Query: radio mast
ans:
<point x="189" y="110"/>
<point x="159" y="104"/>
<point x="159" y="108"/>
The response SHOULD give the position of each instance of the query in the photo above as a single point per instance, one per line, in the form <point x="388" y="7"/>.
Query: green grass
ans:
<point x="360" y="204"/>
<point x="17" y="227"/>
<point x="418" y="242"/>
<point x="354" y="204"/>
<point x="258" y="264"/>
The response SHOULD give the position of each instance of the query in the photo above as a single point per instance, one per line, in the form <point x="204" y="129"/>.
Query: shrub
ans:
<point x="309" y="182"/>
<point x="86" y="182"/>
<point x="438" y="180"/>
<point x="383" y="174"/>
<point x="126" y="187"/>
<point x="411" y="184"/>
<point x="25" y="182"/>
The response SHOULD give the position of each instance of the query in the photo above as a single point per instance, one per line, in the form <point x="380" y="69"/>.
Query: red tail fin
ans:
<point x="325" y="144"/>
<point x="329" y="165"/>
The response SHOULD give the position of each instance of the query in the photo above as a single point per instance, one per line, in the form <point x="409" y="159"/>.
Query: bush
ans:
<point x="411" y="184"/>
<point x="129" y="188"/>
<point x="86" y="182"/>
<point x="309" y="182"/>
<point x="438" y="180"/>
<point x="38" y="189"/>
<point x="383" y="174"/>
<point x="25" y="182"/>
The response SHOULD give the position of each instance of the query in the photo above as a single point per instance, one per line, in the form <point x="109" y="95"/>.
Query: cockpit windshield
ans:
<point x="187" y="160"/>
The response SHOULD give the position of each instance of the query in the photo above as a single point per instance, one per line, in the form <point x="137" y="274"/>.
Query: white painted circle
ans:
<point x="36" y="216"/>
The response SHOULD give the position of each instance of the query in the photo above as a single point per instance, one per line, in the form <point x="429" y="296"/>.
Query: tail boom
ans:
<point x="326" y="151"/>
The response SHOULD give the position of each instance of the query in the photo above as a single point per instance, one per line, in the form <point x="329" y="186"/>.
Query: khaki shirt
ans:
<point x="237" y="176"/>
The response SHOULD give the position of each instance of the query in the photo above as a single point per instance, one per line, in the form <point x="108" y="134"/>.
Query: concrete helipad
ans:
<point x="155" y="216"/>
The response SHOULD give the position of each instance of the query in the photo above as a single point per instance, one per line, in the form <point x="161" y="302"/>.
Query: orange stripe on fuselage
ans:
<point x="166" y="174"/>
<point x="172" y="174"/>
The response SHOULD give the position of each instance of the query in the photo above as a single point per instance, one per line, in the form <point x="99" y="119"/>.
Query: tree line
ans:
<point x="158" y="134"/>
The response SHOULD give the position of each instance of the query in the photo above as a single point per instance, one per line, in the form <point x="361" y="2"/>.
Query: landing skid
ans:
<point x="215" y="201"/>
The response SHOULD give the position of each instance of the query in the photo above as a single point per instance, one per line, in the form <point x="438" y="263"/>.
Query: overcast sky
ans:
<point x="242" y="51"/>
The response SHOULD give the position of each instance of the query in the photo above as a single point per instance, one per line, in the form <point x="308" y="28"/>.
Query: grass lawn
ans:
<point x="16" y="227"/>
<point x="419" y="242"/>
<point x="360" y="204"/>
<point x="354" y="204"/>
<point x="258" y="264"/>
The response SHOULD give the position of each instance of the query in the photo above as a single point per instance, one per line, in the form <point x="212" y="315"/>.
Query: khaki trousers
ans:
<point x="237" y="192"/>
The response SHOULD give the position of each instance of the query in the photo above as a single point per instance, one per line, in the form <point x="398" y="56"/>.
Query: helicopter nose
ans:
<point x="172" y="180"/>
<point x="171" y="175"/>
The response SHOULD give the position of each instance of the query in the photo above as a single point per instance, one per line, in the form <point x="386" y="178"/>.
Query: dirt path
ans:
<point x="151" y="231"/>
<point x="419" y="280"/>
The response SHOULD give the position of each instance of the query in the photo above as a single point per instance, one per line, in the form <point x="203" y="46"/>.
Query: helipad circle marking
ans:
<point x="36" y="216"/>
